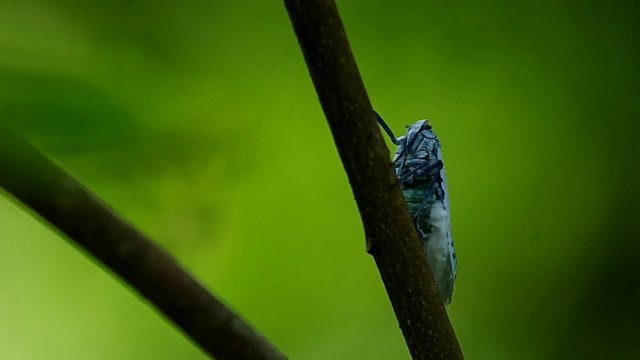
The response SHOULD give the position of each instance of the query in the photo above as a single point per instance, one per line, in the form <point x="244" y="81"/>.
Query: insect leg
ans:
<point x="427" y="197"/>
<point x="425" y="168"/>
<point x="433" y="186"/>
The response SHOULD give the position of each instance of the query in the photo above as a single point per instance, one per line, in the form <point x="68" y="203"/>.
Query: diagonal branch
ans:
<point x="391" y="237"/>
<point x="89" y="223"/>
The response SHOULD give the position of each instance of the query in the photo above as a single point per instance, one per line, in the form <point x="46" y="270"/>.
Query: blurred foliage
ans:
<point x="197" y="121"/>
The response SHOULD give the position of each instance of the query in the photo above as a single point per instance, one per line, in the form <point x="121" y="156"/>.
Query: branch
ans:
<point x="66" y="204"/>
<point x="390" y="232"/>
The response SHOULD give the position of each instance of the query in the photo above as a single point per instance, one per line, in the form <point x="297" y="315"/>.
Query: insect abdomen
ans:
<point x="432" y="223"/>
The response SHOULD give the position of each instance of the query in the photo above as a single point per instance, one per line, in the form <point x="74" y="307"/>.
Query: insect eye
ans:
<point x="426" y="125"/>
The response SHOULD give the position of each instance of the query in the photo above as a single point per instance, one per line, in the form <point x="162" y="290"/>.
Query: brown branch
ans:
<point x="390" y="233"/>
<point x="66" y="204"/>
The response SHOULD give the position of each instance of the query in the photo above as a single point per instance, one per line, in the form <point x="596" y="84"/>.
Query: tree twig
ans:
<point x="390" y="233"/>
<point x="58" y="198"/>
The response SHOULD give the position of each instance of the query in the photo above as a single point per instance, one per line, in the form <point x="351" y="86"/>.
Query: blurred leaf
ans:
<point x="64" y="114"/>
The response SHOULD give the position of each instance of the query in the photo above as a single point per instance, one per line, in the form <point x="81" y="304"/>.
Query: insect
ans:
<point x="420" y="169"/>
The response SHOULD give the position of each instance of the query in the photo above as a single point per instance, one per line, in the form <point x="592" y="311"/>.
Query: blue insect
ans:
<point x="420" y="169"/>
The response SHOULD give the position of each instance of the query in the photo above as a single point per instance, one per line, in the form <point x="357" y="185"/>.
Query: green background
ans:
<point x="198" y="122"/>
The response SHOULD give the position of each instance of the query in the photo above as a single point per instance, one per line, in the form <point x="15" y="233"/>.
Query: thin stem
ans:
<point x="390" y="233"/>
<point x="87" y="222"/>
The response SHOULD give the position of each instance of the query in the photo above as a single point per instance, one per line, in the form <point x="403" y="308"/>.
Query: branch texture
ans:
<point x="389" y="229"/>
<point x="66" y="204"/>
